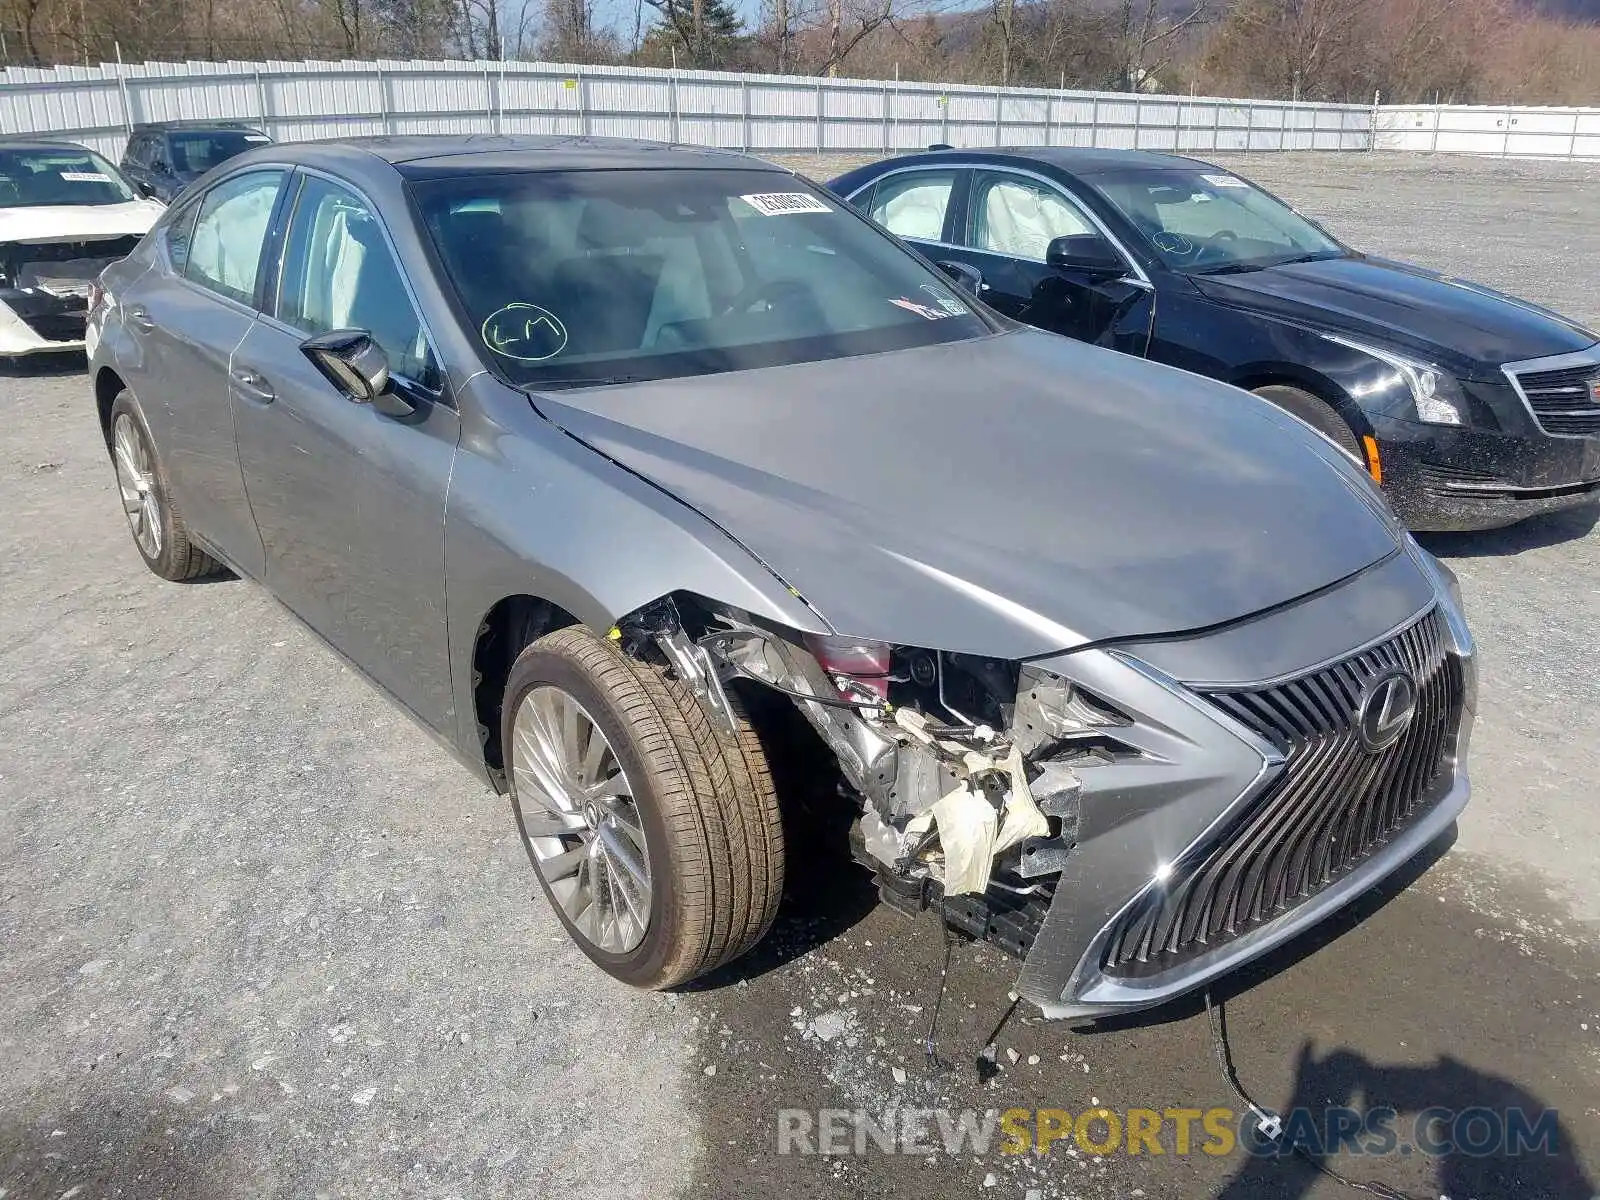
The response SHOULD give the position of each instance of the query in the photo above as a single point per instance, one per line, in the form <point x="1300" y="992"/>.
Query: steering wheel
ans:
<point x="770" y="290"/>
<point x="1224" y="235"/>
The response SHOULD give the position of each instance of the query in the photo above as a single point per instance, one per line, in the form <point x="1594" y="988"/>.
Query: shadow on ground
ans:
<point x="1533" y="534"/>
<point x="1471" y="1115"/>
<point x="98" y="1147"/>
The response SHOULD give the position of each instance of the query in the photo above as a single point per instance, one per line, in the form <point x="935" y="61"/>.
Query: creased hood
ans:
<point x="78" y="222"/>
<point x="1008" y="496"/>
<point x="1464" y="327"/>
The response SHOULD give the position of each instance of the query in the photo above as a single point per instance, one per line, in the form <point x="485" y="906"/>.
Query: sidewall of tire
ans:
<point x="1315" y="412"/>
<point x="646" y="963"/>
<point x="164" y="563"/>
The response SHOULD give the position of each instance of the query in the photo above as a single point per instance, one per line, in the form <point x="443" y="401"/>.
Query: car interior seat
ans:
<point x="605" y="293"/>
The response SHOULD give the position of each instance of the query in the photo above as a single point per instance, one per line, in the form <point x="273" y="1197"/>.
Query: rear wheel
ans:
<point x="1315" y="412"/>
<point x="655" y="834"/>
<point x="157" y="526"/>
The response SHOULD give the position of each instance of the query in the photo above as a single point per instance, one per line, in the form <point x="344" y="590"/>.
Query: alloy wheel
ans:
<point x="580" y="819"/>
<point x="137" y="482"/>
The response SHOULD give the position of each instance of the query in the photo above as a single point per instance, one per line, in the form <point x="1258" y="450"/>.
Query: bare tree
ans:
<point x="1143" y="35"/>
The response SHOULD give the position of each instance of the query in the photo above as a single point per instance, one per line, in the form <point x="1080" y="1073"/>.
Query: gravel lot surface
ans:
<point x="260" y="937"/>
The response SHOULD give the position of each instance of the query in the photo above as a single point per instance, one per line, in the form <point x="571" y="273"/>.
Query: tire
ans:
<point x="1317" y="413"/>
<point x="158" y="529"/>
<point x="702" y="799"/>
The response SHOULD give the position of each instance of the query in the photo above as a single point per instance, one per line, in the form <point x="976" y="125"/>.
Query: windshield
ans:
<point x="1208" y="222"/>
<point x="31" y="178"/>
<point x="589" y="276"/>
<point x="197" y="153"/>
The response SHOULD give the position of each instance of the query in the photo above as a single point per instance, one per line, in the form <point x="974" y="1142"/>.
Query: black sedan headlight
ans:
<point x="1436" y="397"/>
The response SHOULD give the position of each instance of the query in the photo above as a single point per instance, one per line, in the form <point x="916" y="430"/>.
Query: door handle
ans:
<point x="139" y="318"/>
<point x="252" y="384"/>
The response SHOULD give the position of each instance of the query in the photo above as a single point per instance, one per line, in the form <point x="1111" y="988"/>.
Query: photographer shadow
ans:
<point x="1548" y="1169"/>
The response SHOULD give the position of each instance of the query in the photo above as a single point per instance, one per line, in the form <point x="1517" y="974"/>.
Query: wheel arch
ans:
<point x="1260" y="375"/>
<point x="513" y="623"/>
<point x="108" y="385"/>
<point x="510" y="624"/>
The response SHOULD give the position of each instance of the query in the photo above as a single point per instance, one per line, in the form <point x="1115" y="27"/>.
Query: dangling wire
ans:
<point x="930" y="1044"/>
<point x="1269" y="1123"/>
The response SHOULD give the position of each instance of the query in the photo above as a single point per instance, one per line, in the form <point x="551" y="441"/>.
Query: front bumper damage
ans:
<point x="1131" y="833"/>
<point x="44" y="291"/>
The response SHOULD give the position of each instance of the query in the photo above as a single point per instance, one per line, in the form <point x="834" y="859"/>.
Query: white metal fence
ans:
<point x="763" y="113"/>
<point x="1464" y="129"/>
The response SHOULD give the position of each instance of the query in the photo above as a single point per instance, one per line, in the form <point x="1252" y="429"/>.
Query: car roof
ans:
<point x="187" y="126"/>
<point x="433" y="156"/>
<point x="1072" y="160"/>
<point x="24" y="142"/>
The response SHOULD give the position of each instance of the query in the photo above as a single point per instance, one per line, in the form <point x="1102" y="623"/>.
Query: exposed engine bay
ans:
<point x="964" y="767"/>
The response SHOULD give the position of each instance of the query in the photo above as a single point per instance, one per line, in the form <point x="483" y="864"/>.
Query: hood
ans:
<point x="1463" y="327"/>
<point x="78" y="222"/>
<point x="1006" y="496"/>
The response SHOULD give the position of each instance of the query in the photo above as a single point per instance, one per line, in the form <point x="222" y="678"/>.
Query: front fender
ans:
<point x="533" y="511"/>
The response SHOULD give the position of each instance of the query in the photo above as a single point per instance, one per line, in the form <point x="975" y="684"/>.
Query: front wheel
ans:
<point x="1317" y="413"/>
<point x="655" y="835"/>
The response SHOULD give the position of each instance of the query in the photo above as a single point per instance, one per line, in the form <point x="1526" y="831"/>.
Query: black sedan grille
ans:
<point x="1566" y="401"/>
<point x="1331" y="806"/>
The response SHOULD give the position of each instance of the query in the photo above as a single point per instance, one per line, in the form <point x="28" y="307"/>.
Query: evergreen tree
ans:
<point x="706" y="34"/>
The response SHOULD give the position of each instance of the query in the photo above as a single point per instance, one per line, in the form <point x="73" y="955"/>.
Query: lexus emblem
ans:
<point x="1387" y="706"/>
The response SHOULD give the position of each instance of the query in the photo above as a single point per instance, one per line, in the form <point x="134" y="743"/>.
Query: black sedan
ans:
<point x="1472" y="408"/>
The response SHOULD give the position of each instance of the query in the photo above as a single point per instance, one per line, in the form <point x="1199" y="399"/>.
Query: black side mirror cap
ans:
<point x="964" y="275"/>
<point x="1087" y="252"/>
<point x="356" y="365"/>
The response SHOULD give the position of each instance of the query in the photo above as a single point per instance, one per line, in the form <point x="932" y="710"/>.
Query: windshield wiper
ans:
<point x="1261" y="264"/>
<point x="1233" y="268"/>
<point x="1264" y="263"/>
<point x="552" y="385"/>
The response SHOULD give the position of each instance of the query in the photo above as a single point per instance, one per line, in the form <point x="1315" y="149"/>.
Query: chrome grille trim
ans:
<point x="1558" y="392"/>
<point x="1331" y="807"/>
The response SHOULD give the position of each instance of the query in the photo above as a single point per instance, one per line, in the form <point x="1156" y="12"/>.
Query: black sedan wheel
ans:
<point x="1315" y="412"/>
<point x="655" y="835"/>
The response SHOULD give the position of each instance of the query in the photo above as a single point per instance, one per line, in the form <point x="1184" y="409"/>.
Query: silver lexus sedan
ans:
<point x="600" y="457"/>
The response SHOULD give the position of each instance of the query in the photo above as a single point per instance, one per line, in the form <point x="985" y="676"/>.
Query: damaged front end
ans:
<point x="45" y="288"/>
<point x="1127" y="835"/>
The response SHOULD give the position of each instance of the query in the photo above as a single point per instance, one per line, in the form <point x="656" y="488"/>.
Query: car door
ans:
<point x="1011" y="218"/>
<point x="350" y="502"/>
<point x="186" y="315"/>
<point x="136" y="162"/>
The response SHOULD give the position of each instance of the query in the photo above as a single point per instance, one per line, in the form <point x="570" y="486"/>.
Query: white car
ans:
<point x="65" y="215"/>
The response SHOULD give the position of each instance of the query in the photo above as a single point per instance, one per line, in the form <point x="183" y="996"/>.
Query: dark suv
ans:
<point x="165" y="157"/>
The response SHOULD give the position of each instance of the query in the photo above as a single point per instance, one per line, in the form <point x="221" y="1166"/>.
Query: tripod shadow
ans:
<point x="1544" y="1168"/>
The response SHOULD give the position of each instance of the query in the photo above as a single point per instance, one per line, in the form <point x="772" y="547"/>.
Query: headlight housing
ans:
<point x="1435" y="394"/>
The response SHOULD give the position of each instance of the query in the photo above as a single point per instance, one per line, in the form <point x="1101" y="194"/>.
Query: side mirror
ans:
<point x="358" y="367"/>
<point x="964" y="275"/>
<point x="1089" y="253"/>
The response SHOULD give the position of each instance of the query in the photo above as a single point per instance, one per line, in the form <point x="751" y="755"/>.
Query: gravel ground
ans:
<point x="259" y="937"/>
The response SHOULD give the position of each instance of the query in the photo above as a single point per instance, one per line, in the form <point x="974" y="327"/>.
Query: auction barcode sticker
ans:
<point x="782" y="204"/>
<point x="85" y="177"/>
